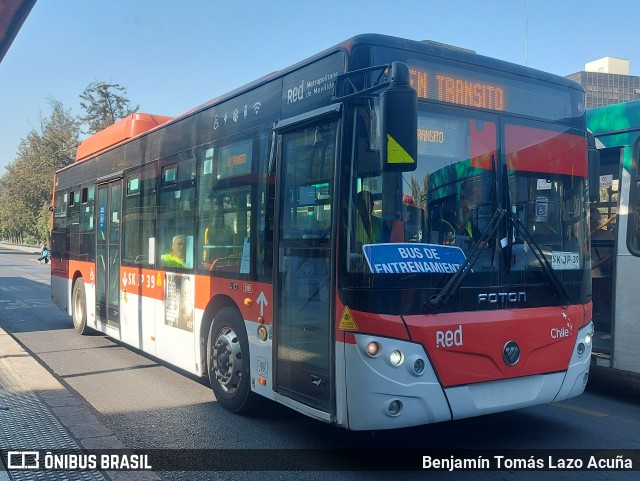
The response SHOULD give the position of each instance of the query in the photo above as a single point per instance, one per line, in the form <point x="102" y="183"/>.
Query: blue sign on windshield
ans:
<point x="413" y="258"/>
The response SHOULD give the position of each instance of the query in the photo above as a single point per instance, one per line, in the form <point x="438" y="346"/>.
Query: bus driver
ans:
<point x="175" y="258"/>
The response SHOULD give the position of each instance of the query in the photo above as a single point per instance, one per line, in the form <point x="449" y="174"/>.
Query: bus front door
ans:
<point x="108" y="254"/>
<point x="303" y="335"/>
<point x="604" y="222"/>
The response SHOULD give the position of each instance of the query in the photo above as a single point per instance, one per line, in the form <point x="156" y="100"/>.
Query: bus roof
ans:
<point x="424" y="47"/>
<point x="616" y="118"/>
<point x="126" y="128"/>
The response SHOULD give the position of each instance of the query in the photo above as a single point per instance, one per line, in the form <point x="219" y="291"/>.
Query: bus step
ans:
<point x="602" y="359"/>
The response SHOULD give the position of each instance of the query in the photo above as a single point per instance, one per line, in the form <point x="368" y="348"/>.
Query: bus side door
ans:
<point x="108" y="253"/>
<point x="303" y="334"/>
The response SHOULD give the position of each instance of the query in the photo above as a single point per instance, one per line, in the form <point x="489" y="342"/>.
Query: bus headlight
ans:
<point x="373" y="348"/>
<point x="396" y="358"/>
<point x="587" y="338"/>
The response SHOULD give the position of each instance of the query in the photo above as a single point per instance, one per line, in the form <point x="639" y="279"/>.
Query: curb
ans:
<point x="27" y="382"/>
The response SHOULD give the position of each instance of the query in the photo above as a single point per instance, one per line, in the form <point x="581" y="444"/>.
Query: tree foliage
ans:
<point x="104" y="104"/>
<point x="419" y="191"/>
<point x="26" y="186"/>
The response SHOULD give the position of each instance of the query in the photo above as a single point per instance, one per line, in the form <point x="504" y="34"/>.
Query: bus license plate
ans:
<point x="565" y="260"/>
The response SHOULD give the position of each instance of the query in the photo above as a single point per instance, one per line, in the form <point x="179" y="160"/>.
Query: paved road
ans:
<point x="147" y="404"/>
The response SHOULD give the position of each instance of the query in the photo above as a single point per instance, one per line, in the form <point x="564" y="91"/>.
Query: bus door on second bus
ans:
<point x="303" y="280"/>
<point x="603" y="227"/>
<point x="108" y="253"/>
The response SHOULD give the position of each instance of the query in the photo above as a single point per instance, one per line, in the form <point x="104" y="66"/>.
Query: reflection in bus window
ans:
<point x="139" y="216"/>
<point x="308" y="191"/>
<point x="369" y="228"/>
<point x="225" y="232"/>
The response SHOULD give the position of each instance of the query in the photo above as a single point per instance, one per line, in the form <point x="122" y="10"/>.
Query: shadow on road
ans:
<point x="622" y="385"/>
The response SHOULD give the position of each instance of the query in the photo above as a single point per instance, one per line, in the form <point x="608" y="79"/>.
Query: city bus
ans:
<point x="288" y="240"/>
<point x="615" y="230"/>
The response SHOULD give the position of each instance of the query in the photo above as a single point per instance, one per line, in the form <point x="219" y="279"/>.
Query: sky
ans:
<point x="172" y="55"/>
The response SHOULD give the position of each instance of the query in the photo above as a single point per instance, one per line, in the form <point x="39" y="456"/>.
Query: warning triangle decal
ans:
<point x="347" y="323"/>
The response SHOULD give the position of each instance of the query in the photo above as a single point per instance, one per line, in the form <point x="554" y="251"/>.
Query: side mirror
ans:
<point x="399" y="106"/>
<point x="594" y="169"/>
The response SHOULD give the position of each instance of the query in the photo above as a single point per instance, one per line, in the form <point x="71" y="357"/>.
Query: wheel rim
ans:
<point x="78" y="307"/>
<point x="227" y="360"/>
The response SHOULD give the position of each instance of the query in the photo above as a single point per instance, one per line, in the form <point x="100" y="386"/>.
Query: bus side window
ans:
<point x="139" y="220"/>
<point x="176" y="212"/>
<point x="59" y="247"/>
<point x="225" y="248"/>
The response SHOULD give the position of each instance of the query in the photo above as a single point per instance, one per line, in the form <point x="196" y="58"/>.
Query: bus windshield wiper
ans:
<point x="507" y="249"/>
<point x="558" y="287"/>
<point x="440" y="299"/>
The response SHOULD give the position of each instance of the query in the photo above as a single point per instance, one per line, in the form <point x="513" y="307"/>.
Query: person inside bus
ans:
<point x="175" y="258"/>
<point x="461" y="222"/>
<point x="369" y="228"/>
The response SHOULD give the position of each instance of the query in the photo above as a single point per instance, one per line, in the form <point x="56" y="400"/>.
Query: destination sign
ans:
<point x="457" y="90"/>
<point x="492" y="90"/>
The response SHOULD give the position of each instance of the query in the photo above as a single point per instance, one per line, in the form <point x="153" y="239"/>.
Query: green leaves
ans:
<point x="104" y="104"/>
<point x="26" y="187"/>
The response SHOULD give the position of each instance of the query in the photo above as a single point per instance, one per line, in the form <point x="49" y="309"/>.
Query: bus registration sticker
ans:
<point x="562" y="261"/>
<point x="411" y="258"/>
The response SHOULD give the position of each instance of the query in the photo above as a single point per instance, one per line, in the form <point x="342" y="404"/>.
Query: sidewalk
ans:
<point x="23" y="248"/>
<point x="39" y="413"/>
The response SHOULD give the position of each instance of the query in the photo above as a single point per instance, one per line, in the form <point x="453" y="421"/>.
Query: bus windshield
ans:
<point x="469" y="166"/>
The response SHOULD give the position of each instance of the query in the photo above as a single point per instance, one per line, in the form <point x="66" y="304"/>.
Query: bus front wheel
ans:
<point x="79" y="307"/>
<point x="228" y="361"/>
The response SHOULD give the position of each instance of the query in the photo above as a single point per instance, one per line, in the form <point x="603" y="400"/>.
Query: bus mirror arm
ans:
<point x="356" y="84"/>
<point x="399" y="110"/>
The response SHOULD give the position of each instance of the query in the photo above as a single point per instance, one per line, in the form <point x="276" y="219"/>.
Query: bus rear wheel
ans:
<point x="79" y="307"/>
<point x="228" y="361"/>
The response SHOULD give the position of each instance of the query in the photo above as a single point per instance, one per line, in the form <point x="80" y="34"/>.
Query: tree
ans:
<point x="419" y="192"/>
<point x="104" y="104"/>
<point x="26" y="187"/>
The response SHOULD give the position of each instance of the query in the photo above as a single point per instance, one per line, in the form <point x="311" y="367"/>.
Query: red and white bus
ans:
<point x="390" y="233"/>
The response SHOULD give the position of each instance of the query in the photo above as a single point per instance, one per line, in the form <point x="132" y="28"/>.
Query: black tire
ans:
<point x="228" y="362"/>
<point x="79" y="307"/>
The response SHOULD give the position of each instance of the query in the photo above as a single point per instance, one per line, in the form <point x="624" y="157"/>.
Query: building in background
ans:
<point x="607" y="81"/>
